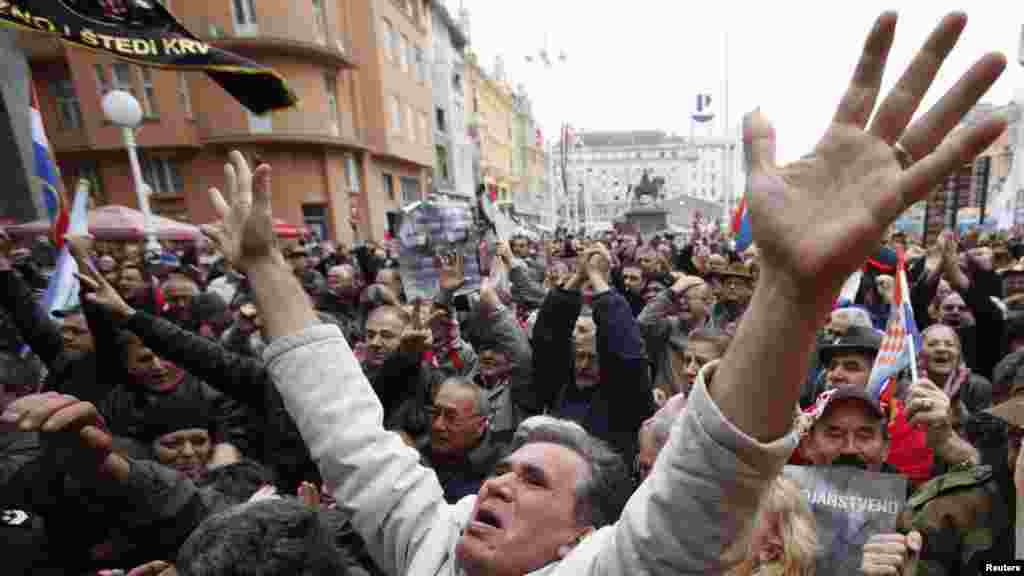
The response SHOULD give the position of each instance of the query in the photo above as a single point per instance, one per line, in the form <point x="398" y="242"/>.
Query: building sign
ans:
<point x="145" y="33"/>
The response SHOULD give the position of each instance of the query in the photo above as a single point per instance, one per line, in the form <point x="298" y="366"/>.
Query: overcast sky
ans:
<point x="640" y="64"/>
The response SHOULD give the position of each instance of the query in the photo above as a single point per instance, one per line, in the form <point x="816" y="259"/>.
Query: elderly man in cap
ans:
<point x="848" y="331"/>
<point x="846" y="426"/>
<point x="737" y="286"/>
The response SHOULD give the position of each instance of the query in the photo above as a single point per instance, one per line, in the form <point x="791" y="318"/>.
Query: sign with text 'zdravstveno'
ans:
<point x="144" y="32"/>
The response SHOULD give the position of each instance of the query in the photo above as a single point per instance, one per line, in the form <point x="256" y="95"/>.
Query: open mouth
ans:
<point x="488" y="518"/>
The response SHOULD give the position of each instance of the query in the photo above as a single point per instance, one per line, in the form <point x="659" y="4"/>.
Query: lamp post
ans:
<point x="124" y="111"/>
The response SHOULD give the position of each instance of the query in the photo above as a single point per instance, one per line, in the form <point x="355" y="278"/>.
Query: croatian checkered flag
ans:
<point x="901" y="342"/>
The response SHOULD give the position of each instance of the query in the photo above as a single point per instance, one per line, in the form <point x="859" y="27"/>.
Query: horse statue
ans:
<point x="648" y="190"/>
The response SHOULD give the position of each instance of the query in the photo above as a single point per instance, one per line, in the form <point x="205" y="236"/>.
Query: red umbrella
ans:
<point x="117" y="223"/>
<point x="285" y="230"/>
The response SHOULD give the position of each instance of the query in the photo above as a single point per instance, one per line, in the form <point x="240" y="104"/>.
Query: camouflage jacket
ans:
<point x="960" y="515"/>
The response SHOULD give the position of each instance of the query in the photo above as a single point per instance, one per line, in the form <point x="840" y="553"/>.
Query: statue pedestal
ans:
<point x="647" y="220"/>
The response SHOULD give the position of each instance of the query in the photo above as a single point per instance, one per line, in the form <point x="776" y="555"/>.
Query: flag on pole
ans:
<point x="45" y="169"/>
<point x="62" y="289"/>
<point x="901" y="342"/>
<point x="741" y="227"/>
<point x="848" y="293"/>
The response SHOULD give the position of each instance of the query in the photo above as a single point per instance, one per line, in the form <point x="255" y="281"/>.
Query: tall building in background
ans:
<point x="967" y="197"/>
<point x="453" y="149"/>
<point x="606" y="165"/>
<point x="490" y="116"/>
<point x="358" y="144"/>
<point x="529" y="164"/>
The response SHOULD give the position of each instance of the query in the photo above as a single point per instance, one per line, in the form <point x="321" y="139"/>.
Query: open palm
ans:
<point x="245" y="233"/>
<point x="816" y="220"/>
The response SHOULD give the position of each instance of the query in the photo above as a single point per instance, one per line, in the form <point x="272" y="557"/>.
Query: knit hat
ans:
<point x="173" y="413"/>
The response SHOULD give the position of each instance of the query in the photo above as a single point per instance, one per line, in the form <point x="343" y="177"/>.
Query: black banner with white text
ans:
<point x="144" y="32"/>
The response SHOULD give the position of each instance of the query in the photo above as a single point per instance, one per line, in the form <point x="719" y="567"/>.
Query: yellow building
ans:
<point x="491" y="115"/>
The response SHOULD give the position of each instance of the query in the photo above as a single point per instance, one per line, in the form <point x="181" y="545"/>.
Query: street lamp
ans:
<point x="124" y="111"/>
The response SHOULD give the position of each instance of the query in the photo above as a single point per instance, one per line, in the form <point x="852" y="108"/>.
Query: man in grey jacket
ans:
<point x="815" y="222"/>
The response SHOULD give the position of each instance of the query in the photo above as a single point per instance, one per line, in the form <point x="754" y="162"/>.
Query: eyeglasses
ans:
<point x="449" y="415"/>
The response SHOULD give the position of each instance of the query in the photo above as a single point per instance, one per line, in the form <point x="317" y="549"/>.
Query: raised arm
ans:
<point x="625" y="390"/>
<point x="396" y="504"/>
<point x="815" y="222"/>
<point x="38" y="330"/>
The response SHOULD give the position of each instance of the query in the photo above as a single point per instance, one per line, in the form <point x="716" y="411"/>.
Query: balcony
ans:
<point x="280" y="128"/>
<point x="289" y="35"/>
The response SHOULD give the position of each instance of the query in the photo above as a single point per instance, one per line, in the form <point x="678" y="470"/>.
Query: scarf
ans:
<point x="446" y="338"/>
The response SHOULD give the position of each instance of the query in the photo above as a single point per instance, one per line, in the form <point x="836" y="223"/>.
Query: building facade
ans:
<point x="531" y="194"/>
<point x="453" y="149"/>
<point x="490" y="117"/>
<point x="357" y="145"/>
<point x="971" y="196"/>
<point x="604" y="167"/>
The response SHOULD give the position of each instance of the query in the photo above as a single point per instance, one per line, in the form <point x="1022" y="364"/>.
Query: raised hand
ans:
<point x="155" y="568"/>
<point x="927" y="405"/>
<point x="416" y="339"/>
<point x="817" y="220"/>
<point x="887" y="554"/>
<point x="100" y="292"/>
<point x="245" y="233"/>
<point x="684" y="283"/>
<point x="452" y="273"/>
<point x="309" y="494"/>
<point x="74" y="426"/>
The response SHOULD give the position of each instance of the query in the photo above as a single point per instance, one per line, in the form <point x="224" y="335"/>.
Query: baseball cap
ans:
<point x="829" y="398"/>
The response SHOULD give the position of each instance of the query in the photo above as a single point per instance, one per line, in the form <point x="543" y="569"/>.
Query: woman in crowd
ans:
<point x="785" y="538"/>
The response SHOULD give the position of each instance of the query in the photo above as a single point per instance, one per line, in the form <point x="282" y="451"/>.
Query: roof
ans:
<point x="458" y="35"/>
<point x="625" y="138"/>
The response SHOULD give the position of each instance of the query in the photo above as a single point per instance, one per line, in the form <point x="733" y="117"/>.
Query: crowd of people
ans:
<point x="609" y="404"/>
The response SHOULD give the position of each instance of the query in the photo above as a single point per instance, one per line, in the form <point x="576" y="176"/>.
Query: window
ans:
<point x="439" y="117"/>
<point x="411" y="117"/>
<point x="403" y="52"/>
<point x="261" y="124"/>
<point x="331" y="88"/>
<point x="185" y="96"/>
<point x="89" y="171"/>
<point x="410" y="189"/>
<point x="388" y="39"/>
<point x="245" y="16"/>
<point x="314" y="216"/>
<point x="69" y="114"/>
<point x="352" y="172"/>
<point x="441" y="163"/>
<point x="321" y="20"/>
<point x="162" y="174"/>
<point x="421" y="65"/>
<point x="121" y="78"/>
<point x="396" y="116"/>
<point x="148" y="101"/>
<point x="102" y="82"/>
<point x="389" y="185"/>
